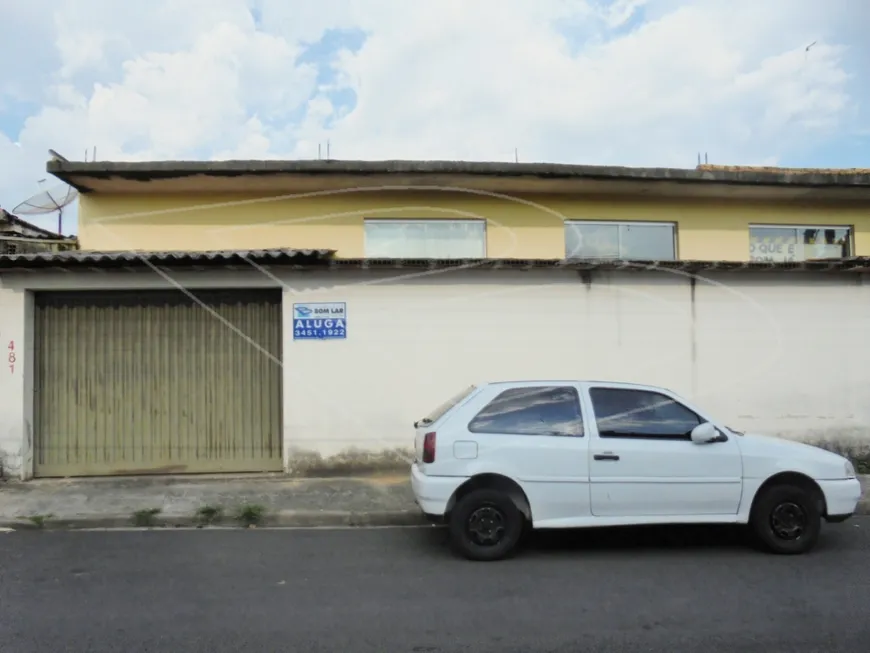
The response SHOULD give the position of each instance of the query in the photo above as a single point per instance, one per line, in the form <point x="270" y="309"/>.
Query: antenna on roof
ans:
<point x="49" y="201"/>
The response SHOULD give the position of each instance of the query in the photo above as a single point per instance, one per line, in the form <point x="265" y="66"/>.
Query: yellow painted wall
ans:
<point x="522" y="228"/>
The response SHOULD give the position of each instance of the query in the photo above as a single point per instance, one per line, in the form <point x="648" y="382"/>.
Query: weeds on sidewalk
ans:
<point x="145" y="518"/>
<point x="39" y="520"/>
<point x="208" y="515"/>
<point x="250" y="515"/>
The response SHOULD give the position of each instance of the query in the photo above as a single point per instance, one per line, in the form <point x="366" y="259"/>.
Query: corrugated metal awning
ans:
<point x="125" y="259"/>
<point x="325" y="258"/>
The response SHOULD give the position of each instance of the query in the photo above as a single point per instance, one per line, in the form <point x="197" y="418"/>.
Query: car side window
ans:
<point x="625" y="413"/>
<point x="534" y="410"/>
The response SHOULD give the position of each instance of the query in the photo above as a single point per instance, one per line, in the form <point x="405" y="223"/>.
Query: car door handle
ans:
<point x="606" y="456"/>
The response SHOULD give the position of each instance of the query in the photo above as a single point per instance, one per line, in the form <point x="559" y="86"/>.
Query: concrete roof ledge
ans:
<point x="808" y="176"/>
<point x="167" y="169"/>
<point x="277" y="177"/>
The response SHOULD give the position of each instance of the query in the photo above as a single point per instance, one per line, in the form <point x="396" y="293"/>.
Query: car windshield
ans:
<point x="436" y="414"/>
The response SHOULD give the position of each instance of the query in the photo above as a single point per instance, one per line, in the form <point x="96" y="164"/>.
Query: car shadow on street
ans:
<point x="640" y="537"/>
<point x="662" y="538"/>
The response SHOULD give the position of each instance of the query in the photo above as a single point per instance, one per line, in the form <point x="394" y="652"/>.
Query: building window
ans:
<point x="550" y="410"/>
<point x="798" y="243"/>
<point x="639" y="241"/>
<point x="435" y="238"/>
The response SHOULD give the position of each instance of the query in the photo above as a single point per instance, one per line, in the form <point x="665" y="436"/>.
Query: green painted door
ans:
<point x="155" y="382"/>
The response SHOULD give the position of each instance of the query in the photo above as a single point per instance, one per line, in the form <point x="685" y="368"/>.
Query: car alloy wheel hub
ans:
<point x="486" y="526"/>
<point x="788" y="521"/>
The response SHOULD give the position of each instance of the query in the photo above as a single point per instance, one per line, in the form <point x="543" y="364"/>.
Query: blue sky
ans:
<point x="631" y="82"/>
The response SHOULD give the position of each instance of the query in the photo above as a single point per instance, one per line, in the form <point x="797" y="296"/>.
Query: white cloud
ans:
<point x="645" y="82"/>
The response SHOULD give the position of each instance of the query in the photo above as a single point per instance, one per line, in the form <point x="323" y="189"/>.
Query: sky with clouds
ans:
<point x="629" y="82"/>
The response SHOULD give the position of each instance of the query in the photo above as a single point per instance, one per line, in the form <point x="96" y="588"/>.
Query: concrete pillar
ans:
<point x="288" y="409"/>
<point x="16" y="383"/>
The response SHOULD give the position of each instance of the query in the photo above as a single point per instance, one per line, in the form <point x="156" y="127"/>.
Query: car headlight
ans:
<point x="850" y="470"/>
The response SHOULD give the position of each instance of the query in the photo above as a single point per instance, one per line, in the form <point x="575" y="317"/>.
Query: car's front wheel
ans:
<point x="786" y="519"/>
<point x="485" y="525"/>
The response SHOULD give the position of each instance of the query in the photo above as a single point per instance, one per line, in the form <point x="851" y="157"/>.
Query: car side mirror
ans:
<point x="705" y="434"/>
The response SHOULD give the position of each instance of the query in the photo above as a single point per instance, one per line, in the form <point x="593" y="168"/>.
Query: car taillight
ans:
<point x="429" y="447"/>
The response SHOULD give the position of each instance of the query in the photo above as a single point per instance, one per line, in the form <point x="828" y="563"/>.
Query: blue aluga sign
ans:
<point x="320" y="321"/>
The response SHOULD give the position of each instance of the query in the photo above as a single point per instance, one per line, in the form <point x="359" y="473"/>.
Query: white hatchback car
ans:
<point x="500" y="457"/>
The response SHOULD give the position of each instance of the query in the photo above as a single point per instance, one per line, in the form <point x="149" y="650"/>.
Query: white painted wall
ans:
<point x="781" y="353"/>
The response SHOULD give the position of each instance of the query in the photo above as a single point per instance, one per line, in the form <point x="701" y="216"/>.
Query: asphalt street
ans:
<point x="397" y="590"/>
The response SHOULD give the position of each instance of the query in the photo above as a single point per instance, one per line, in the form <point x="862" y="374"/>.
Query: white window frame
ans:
<point x="628" y="223"/>
<point x="410" y="221"/>
<point x="800" y="227"/>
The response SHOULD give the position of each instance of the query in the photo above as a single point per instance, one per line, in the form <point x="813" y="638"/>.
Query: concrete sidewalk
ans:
<point x="282" y="501"/>
<point x="271" y="500"/>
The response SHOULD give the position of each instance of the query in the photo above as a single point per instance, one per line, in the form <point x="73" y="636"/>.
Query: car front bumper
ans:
<point x="841" y="498"/>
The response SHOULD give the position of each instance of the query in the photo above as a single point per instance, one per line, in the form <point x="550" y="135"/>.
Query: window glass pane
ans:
<point x="411" y="241"/>
<point x="825" y="242"/>
<point x="774" y="244"/>
<point x="798" y="243"/>
<point x="425" y="239"/>
<point x="638" y="413"/>
<point x="647" y="242"/>
<point x="591" y="240"/>
<point x="384" y="240"/>
<point x="453" y="239"/>
<point x="531" y="411"/>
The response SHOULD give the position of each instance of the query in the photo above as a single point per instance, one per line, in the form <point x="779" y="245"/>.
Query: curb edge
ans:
<point x="283" y="519"/>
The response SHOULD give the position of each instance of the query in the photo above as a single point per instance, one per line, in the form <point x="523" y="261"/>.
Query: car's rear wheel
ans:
<point x="786" y="519"/>
<point x="485" y="525"/>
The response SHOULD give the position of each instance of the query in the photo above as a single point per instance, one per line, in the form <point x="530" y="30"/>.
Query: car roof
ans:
<point x="618" y="384"/>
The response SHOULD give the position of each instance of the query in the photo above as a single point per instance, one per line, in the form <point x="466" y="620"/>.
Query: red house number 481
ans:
<point x="11" y="357"/>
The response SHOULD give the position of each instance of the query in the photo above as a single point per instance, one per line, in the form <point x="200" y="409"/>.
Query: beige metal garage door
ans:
<point x="150" y="382"/>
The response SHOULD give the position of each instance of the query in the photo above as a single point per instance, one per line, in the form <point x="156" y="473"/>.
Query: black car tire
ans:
<point x="786" y="504"/>
<point x="470" y="519"/>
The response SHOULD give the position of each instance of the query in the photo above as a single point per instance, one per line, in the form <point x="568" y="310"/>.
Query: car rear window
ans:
<point x="440" y="411"/>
